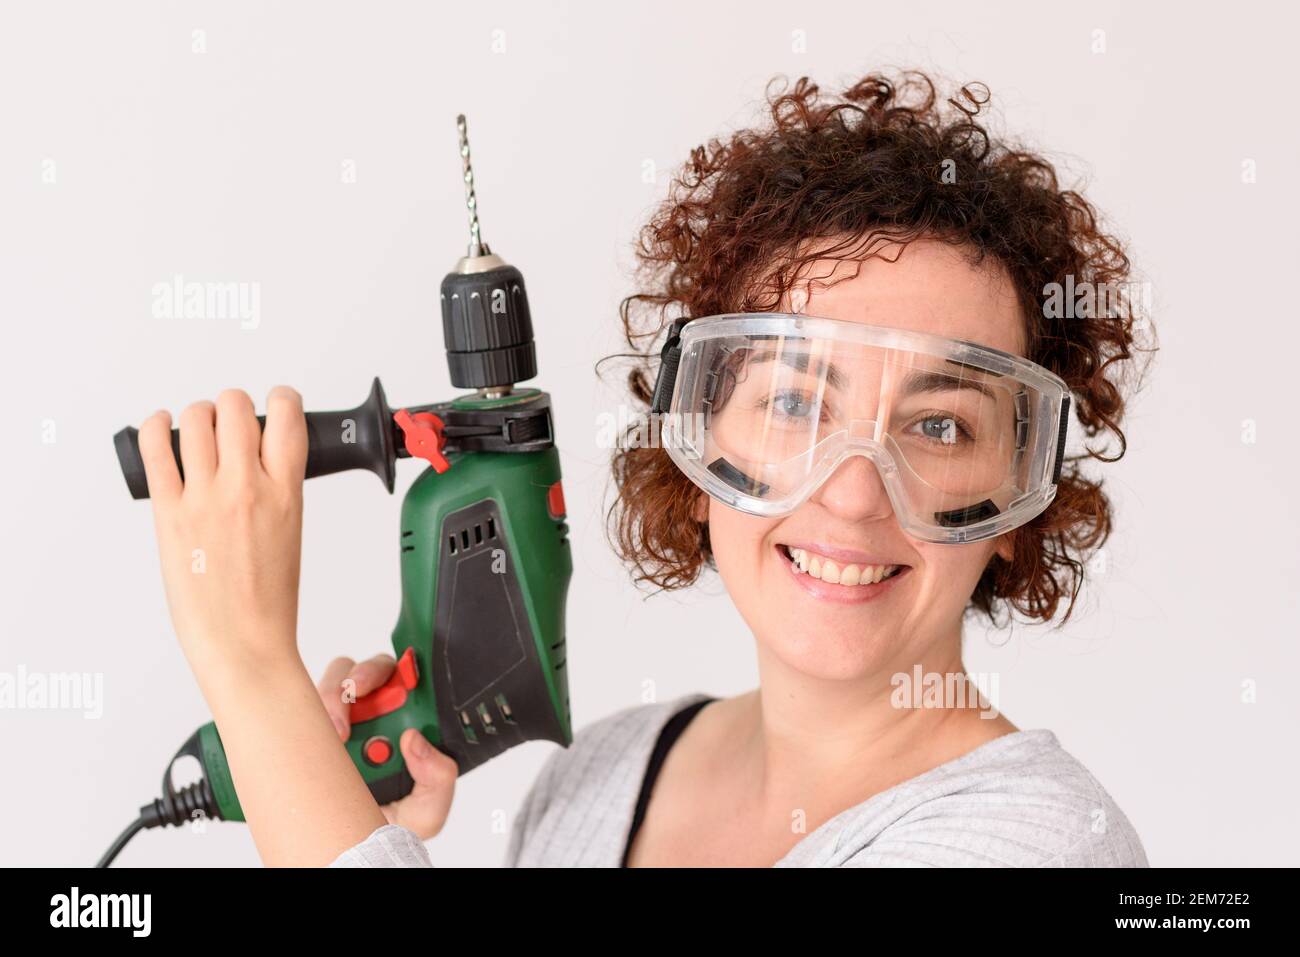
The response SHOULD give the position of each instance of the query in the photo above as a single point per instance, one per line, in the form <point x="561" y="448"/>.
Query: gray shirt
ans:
<point x="1020" y="800"/>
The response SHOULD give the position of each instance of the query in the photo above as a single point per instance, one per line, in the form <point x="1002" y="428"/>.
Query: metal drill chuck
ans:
<point x="486" y="324"/>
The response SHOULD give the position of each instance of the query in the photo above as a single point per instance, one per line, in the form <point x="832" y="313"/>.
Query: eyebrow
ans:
<point x="914" y="384"/>
<point x="919" y="382"/>
<point x="799" y="362"/>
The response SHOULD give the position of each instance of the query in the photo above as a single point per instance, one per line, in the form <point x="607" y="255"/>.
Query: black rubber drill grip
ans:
<point x="360" y="438"/>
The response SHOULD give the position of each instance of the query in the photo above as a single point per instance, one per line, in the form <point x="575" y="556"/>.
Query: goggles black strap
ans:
<point x="669" y="358"/>
<point x="1060" y="438"/>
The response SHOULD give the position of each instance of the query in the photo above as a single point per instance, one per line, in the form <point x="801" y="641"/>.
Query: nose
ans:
<point x="855" y="491"/>
<point x="862" y="431"/>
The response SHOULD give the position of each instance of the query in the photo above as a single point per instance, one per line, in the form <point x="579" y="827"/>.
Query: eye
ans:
<point x="794" y="404"/>
<point x="943" y="428"/>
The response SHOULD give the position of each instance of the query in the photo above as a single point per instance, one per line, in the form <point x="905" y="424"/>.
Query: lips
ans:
<point x="843" y="556"/>
<point x="845" y="581"/>
<point x="831" y="571"/>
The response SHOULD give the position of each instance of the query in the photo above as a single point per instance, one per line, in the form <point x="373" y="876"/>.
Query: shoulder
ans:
<point x="584" y="796"/>
<point x="1021" y="800"/>
<point x="619" y="743"/>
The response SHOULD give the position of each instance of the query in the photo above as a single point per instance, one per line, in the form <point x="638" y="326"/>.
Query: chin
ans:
<point x="829" y="651"/>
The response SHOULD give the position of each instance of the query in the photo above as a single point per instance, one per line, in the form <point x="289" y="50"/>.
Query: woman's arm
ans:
<point x="302" y="796"/>
<point x="230" y="541"/>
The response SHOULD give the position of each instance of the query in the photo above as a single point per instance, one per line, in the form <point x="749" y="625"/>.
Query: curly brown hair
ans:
<point x="884" y="162"/>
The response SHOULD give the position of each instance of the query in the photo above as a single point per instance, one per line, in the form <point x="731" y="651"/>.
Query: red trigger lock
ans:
<point x="424" y="437"/>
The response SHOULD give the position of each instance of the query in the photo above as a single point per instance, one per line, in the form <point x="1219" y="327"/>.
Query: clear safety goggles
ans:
<point x="758" y="409"/>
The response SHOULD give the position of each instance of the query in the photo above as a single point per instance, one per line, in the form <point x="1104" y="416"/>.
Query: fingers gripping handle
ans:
<point x="127" y="444"/>
<point x="378" y="721"/>
<point x="360" y="438"/>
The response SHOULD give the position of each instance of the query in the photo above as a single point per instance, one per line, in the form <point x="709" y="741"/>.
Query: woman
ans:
<point x="866" y="397"/>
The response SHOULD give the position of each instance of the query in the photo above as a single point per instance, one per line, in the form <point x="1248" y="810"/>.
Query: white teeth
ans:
<point x="828" y="571"/>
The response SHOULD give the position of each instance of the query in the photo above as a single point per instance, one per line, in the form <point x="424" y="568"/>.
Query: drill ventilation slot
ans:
<point x="483" y="531"/>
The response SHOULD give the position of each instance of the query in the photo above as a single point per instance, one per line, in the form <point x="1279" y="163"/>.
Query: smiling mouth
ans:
<point x="828" y="570"/>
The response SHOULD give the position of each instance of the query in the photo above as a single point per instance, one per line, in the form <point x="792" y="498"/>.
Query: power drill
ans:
<point x="485" y="558"/>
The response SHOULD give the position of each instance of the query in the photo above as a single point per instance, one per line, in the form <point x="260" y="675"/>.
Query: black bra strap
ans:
<point x="670" y="732"/>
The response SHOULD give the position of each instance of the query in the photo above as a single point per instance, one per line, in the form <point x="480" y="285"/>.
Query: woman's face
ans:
<point x="837" y="631"/>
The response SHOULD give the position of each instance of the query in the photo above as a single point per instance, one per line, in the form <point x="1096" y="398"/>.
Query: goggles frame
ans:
<point x="973" y="523"/>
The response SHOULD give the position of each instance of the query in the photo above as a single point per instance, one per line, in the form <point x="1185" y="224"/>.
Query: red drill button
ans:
<point x="392" y="695"/>
<point x="555" y="501"/>
<point x="407" y="671"/>
<point x="377" y="750"/>
<point x="379" y="702"/>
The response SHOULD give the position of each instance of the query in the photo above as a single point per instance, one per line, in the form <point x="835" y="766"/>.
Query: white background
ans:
<point x="225" y="166"/>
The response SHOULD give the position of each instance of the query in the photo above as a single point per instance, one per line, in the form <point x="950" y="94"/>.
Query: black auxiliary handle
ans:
<point x="369" y="438"/>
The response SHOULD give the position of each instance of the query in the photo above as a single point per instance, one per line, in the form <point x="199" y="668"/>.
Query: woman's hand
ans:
<point x="425" y="809"/>
<point x="230" y="533"/>
<point x="230" y="539"/>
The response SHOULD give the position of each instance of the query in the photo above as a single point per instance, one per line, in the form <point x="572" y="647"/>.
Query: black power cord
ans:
<point x="136" y="827"/>
<point x="175" y="807"/>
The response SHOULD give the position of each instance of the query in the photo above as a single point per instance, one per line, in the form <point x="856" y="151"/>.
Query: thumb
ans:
<point x="425" y="809"/>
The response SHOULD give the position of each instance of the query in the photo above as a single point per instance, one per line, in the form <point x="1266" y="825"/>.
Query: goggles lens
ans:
<point x="768" y="417"/>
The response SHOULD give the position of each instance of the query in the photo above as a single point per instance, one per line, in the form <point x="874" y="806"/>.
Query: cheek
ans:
<point x="739" y="543"/>
<point x="952" y="571"/>
<point x="737" y="539"/>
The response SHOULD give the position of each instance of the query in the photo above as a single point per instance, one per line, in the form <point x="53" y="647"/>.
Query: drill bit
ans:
<point x="476" y="245"/>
